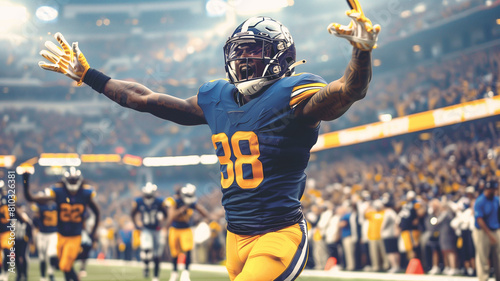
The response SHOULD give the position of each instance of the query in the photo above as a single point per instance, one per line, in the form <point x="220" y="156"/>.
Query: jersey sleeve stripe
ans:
<point x="297" y="90"/>
<point x="303" y="96"/>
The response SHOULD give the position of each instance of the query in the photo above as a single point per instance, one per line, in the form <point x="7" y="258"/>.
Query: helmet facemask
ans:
<point x="260" y="52"/>
<point x="149" y="192"/>
<point x="188" y="194"/>
<point x="72" y="179"/>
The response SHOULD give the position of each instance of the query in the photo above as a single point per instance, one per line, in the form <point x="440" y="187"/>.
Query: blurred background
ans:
<point x="429" y="123"/>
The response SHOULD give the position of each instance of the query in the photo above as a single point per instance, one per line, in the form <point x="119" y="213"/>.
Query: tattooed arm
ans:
<point x="140" y="98"/>
<point x="335" y="98"/>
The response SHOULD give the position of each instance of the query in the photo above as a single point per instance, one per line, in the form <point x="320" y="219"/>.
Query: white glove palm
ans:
<point x="68" y="61"/>
<point x="360" y="32"/>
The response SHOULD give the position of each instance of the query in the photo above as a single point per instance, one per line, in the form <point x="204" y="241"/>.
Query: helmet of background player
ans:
<point x="188" y="194"/>
<point x="149" y="190"/>
<point x="72" y="179"/>
<point x="259" y="52"/>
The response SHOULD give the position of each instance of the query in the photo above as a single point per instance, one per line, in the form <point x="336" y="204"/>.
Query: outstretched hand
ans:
<point x="66" y="60"/>
<point x="361" y="33"/>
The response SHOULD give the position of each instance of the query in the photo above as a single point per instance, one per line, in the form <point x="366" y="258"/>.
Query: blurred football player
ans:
<point x="86" y="243"/>
<point x="23" y="237"/>
<point x="409" y="215"/>
<point x="152" y="210"/>
<point x="4" y="230"/>
<point x="45" y="220"/>
<point x="264" y="121"/>
<point x="9" y="220"/>
<point x="72" y="195"/>
<point x="180" y="235"/>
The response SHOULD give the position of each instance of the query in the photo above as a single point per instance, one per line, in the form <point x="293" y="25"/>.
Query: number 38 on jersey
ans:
<point x="243" y="147"/>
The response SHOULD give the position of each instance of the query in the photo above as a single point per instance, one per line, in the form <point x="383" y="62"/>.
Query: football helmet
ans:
<point x="72" y="179"/>
<point x="149" y="190"/>
<point x="188" y="194"/>
<point x="259" y="52"/>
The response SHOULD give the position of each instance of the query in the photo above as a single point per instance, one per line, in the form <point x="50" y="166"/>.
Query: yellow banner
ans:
<point x="412" y="123"/>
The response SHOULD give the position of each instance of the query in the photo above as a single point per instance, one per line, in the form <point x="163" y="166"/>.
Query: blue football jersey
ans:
<point x="263" y="150"/>
<point x="71" y="208"/>
<point x="46" y="221"/>
<point x="149" y="212"/>
<point x="184" y="220"/>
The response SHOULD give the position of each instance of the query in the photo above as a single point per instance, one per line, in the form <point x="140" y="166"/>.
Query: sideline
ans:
<point x="305" y="273"/>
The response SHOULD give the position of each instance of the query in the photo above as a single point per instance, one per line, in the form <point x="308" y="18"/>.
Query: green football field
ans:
<point x="134" y="273"/>
<point x="114" y="270"/>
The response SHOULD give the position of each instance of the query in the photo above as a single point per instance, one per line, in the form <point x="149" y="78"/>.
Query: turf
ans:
<point x="134" y="273"/>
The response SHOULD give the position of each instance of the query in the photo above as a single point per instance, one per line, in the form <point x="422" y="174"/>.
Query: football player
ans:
<point x="180" y="235"/>
<point x="264" y="121"/>
<point x="5" y="231"/>
<point x="72" y="195"/>
<point x="45" y="220"/>
<point x="152" y="211"/>
<point x="24" y="235"/>
<point x="409" y="215"/>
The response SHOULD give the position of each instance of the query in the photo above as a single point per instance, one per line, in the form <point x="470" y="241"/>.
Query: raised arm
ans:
<point x="70" y="61"/>
<point x="42" y="199"/>
<point x="335" y="98"/>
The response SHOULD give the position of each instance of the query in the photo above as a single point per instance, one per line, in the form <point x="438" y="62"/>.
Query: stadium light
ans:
<point x="12" y="15"/>
<point x="259" y="6"/>
<point x="46" y="13"/>
<point x="386" y="117"/>
<point x="216" y="8"/>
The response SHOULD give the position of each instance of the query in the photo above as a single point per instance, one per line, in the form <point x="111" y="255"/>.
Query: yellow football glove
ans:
<point x="360" y="32"/>
<point x="69" y="60"/>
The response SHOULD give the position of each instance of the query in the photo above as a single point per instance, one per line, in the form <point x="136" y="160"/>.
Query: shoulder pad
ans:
<point x="211" y="84"/>
<point x="170" y="202"/>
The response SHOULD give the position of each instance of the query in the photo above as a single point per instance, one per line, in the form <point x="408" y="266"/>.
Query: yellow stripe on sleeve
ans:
<point x="302" y="96"/>
<point x="303" y="92"/>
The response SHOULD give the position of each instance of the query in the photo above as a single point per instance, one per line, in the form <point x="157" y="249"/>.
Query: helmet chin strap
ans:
<point x="252" y="87"/>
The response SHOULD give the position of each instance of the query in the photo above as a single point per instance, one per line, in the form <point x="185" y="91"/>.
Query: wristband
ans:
<point x="96" y="79"/>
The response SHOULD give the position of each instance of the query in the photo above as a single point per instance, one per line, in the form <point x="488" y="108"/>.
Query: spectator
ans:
<point x="432" y="235"/>
<point x="447" y="239"/>
<point x="375" y="217"/>
<point x="389" y="234"/>
<point x="487" y="235"/>
<point x="347" y="225"/>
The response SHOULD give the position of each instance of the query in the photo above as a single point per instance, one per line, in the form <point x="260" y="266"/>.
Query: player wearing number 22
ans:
<point x="264" y="121"/>
<point x="72" y="196"/>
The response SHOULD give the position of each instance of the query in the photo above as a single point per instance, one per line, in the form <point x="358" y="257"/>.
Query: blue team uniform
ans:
<point x="184" y="220"/>
<point x="263" y="150"/>
<point x="46" y="222"/>
<point x="149" y="212"/>
<point x="71" y="209"/>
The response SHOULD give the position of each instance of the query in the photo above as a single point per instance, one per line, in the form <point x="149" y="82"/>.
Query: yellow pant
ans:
<point x="68" y="248"/>
<point x="278" y="255"/>
<point x="180" y="240"/>
<point x="4" y="240"/>
<point x="411" y="239"/>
